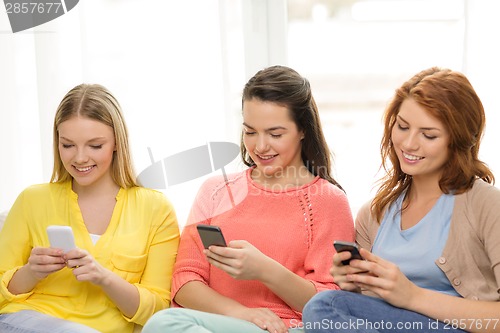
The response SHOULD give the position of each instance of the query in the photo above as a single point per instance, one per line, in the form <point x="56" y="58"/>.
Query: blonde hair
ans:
<point x="95" y="102"/>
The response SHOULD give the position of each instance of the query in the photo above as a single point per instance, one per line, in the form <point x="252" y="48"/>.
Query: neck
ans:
<point x="288" y="177"/>
<point x="422" y="189"/>
<point x="103" y="188"/>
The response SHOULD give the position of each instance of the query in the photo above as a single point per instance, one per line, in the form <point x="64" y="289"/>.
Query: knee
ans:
<point x="163" y="319"/>
<point x="320" y="304"/>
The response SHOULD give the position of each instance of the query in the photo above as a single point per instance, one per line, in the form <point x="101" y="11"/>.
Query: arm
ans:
<point x="85" y="268"/>
<point x="243" y="261"/>
<point x="469" y="315"/>
<point x="42" y="262"/>
<point x="17" y="279"/>
<point x="198" y="296"/>
<point x="331" y="220"/>
<point x="366" y="227"/>
<point x="389" y="283"/>
<point x="295" y="292"/>
<point x="156" y="280"/>
<point x="191" y="290"/>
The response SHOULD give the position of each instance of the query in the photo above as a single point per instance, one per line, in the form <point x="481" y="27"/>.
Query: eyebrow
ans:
<point x="91" y="140"/>
<point x="422" y="128"/>
<point x="267" y="130"/>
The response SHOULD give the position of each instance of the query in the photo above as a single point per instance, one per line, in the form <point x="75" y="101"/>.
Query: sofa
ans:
<point x="3" y="216"/>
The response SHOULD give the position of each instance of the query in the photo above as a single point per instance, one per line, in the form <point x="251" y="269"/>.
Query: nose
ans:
<point x="81" y="156"/>
<point x="411" y="142"/>
<point x="261" y="145"/>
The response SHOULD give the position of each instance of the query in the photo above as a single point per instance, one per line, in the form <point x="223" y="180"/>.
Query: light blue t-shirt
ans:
<point x="415" y="249"/>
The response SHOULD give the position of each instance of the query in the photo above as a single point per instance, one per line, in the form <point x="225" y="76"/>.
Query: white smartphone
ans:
<point x="61" y="237"/>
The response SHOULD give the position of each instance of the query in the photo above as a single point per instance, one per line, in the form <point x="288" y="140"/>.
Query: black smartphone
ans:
<point x="211" y="235"/>
<point x="341" y="246"/>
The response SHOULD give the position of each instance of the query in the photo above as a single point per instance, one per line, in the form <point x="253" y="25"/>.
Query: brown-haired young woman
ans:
<point x="431" y="236"/>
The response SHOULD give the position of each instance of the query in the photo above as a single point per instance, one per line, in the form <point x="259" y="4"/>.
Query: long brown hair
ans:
<point x="286" y="87"/>
<point x="95" y="102"/>
<point x="448" y="96"/>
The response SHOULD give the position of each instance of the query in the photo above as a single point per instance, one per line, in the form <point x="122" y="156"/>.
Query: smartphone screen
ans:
<point x="61" y="237"/>
<point x="211" y="235"/>
<point x="341" y="246"/>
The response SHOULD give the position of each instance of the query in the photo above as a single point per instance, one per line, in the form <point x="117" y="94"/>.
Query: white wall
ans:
<point x="177" y="68"/>
<point x="162" y="60"/>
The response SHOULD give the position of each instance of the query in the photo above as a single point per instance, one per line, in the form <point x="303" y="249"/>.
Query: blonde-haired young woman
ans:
<point x="126" y="236"/>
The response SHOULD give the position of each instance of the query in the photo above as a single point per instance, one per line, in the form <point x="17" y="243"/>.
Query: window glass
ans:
<point x="355" y="54"/>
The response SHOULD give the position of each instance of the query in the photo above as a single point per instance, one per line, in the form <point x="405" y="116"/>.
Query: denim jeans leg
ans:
<point x="348" y="312"/>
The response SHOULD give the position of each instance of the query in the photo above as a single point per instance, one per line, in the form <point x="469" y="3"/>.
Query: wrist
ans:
<point x="236" y="311"/>
<point x="31" y="275"/>
<point x="106" y="279"/>
<point x="416" y="297"/>
<point x="270" y="271"/>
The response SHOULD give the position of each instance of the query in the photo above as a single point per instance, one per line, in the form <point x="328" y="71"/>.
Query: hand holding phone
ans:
<point x="211" y="235"/>
<point x="61" y="237"/>
<point x="341" y="246"/>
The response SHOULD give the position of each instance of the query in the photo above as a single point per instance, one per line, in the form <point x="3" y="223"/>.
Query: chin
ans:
<point x="267" y="171"/>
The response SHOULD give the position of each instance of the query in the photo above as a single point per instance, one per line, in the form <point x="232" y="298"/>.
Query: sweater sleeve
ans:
<point x="191" y="264"/>
<point x="334" y="222"/>
<point x="487" y="215"/>
<point x="366" y="227"/>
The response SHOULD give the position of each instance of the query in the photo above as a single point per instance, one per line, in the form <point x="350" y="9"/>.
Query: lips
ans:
<point x="266" y="157"/>
<point x="412" y="158"/>
<point x="84" y="169"/>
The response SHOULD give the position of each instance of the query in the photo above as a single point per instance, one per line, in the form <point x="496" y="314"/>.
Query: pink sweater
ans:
<point x="295" y="227"/>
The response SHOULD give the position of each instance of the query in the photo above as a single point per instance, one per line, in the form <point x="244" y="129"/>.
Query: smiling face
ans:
<point x="86" y="149"/>
<point x="272" y="140"/>
<point x="420" y="141"/>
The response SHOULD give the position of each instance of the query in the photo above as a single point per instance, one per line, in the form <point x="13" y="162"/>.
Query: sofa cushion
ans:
<point x="3" y="216"/>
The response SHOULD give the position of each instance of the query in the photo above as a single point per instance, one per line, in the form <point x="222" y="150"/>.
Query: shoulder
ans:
<point x="213" y="185"/>
<point x="327" y="189"/>
<point x="151" y="204"/>
<point x="366" y="226"/>
<point x="147" y="200"/>
<point x="142" y="195"/>
<point x="364" y="216"/>
<point x="479" y="208"/>
<point x="43" y="190"/>
<point x="364" y="211"/>
<point x="481" y="194"/>
<point x="484" y="188"/>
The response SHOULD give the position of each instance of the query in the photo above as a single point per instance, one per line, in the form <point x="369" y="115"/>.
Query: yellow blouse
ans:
<point x="140" y="245"/>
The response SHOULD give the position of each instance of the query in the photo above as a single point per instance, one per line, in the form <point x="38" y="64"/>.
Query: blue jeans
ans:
<point x="191" y="321"/>
<point x="343" y="311"/>
<point x="28" y="321"/>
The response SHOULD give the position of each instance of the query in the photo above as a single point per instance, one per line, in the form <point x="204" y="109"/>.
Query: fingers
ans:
<point x="341" y="256"/>
<point x="380" y="276"/>
<point x="77" y="258"/>
<point x="269" y="321"/>
<point x="44" y="261"/>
